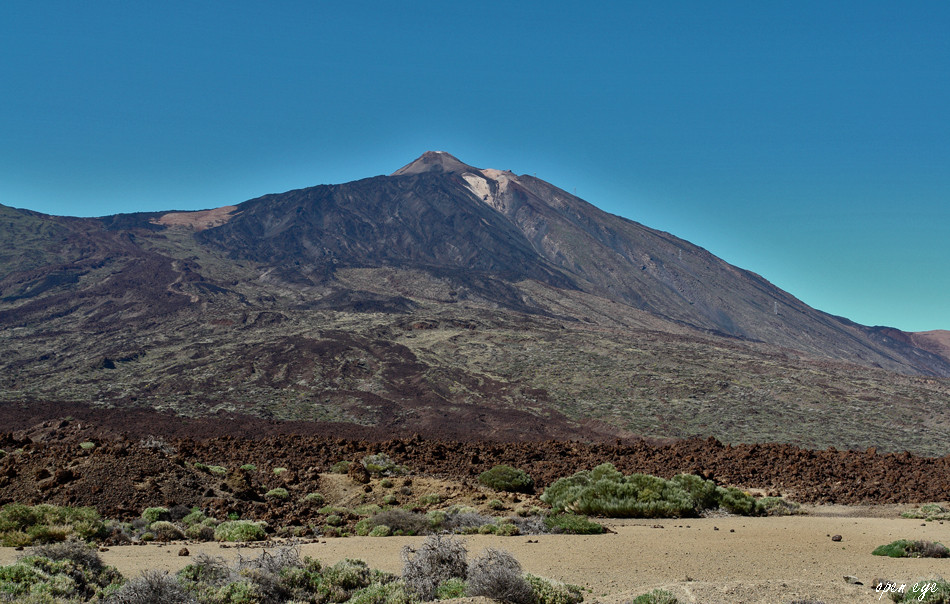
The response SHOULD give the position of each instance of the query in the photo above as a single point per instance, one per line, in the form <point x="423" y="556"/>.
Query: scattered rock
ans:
<point x="358" y="473"/>
<point x="852" y="580"/>
<point x="184" y="552"/>
<point x="836" y="538"/>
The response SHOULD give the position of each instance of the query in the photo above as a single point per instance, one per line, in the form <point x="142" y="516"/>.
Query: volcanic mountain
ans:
<point x="449" y="299"/>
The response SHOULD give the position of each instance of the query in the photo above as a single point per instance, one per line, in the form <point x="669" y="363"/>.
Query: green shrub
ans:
<point x="249" y="467"/>
<point x="402" y="522"/>
<point x="657" y="596"/>
<point x="217" y="470"/>
<point x="341" y="467"/>
<point x="368" y="509"/>
<point x="166" y="531"/>
<point x="507" y="529"/>
<point x="451" y="589"/>
<point x="314" y="499"/>
<point x="496" y="504"/>
<point x="390" y="500"/>
<point x="150" y="515"/>
<point x="928" y="512"/>
<point x="385" y="483"/>
<point x="279" y="471"/>
<point x="62" y="572"/>
<point x="87" y="445"/>
<point x="554" y="592"/>
<point x="22" y="525"/>
<point x="507" y="478"/>
<point x="604" y="491"/>
<point x="348" y="575"/>
<point x="279" y="493"/>
<point x="240" y="530"/>
<point x="394" y="592"/>
<point x="430" y="499"/>
<point x="380" y="530"/>
<point x="200" y="532"/>
<point x="905" y="548"/>
<point x="334" y="520"/>
<point x="380" y="464"/>
<point x="572" y="524"/>
<point x="196" y="516"/>
<point x="779" y="506"/>
<point x="436" y="518"/>
<point x="735" y="501"/>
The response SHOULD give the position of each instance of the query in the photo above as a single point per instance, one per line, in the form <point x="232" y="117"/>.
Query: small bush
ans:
<point x="200" y="532"/>
<point x="380" y="530"/>
<point x="657" y="596"/>
<point x="401" y="522"/>
<point x="430" y="499"/>
<point x="88" y="445"/>
<point x="340" y="467"/>
<point x="166" y="531"/>
<point x="496" y="504"/>
<point x="385" y="483"/>
<point x="279" y="493"/>
<point x="554" y="592"/>
<point x="905" y="548"/>
<point x="196" y="516"/>
<point x="507" y="478"/>
<point x="240" y="530"/>
<point x="735" y="501"/>
<point x="390" y="500"/>
<point x="314" y="499"/>
<point x="150" y="515"/>
<point x="497" y="575"/>
<point x="928" y="512"/>
<point x="279" y="471"/>
<point x="779" y="506"/>
<point x="572" y="524"/>
<point x="380" y="464"/>
<point x="249" y="467"/>
<point x="217" y="470"/>
<point x="437" y="560"/>
<point x="334" y="520"/>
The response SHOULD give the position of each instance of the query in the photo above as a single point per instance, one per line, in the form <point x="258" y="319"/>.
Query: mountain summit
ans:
<point x="441" y="298"/>
<point x="434" y="161"/>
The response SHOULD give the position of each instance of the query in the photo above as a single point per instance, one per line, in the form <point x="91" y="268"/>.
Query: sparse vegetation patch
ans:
<point x="604" y="491"/>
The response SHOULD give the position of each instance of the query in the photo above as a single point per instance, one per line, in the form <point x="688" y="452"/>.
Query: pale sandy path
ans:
<point x="767" y="560"/>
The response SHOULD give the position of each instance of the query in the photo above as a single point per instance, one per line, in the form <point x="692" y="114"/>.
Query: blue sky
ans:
<point x="807" y="141"/>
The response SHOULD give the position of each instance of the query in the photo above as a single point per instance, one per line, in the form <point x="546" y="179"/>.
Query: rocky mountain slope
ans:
<point x="451" y="300"/>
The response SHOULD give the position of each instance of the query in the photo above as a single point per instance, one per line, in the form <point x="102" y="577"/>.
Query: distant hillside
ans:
<point x="452" y="300"/>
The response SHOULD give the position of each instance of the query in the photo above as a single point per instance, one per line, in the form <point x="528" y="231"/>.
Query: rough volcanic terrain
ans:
<point x="122" y="474"/>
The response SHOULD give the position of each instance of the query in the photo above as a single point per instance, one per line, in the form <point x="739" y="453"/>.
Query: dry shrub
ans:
<point x="438" y="559"/>
<point x="497" y="575"/>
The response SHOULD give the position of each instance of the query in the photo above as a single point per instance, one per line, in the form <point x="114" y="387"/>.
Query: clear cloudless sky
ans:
<point x="806" y="141"/>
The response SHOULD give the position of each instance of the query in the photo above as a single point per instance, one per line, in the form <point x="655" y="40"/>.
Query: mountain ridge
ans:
<point x="442" y="292"/>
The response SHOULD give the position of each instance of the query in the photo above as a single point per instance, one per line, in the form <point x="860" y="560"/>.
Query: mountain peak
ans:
<point x="434" y="161"/>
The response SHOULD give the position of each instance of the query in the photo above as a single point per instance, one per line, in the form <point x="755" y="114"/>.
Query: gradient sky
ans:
<point x="806" y="141"/>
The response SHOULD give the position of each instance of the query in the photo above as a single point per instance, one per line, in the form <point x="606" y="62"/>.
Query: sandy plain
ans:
<point x="773" y="560"/>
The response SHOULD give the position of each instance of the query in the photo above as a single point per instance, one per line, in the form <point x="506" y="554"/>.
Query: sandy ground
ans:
<point x="708" y="560"/>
